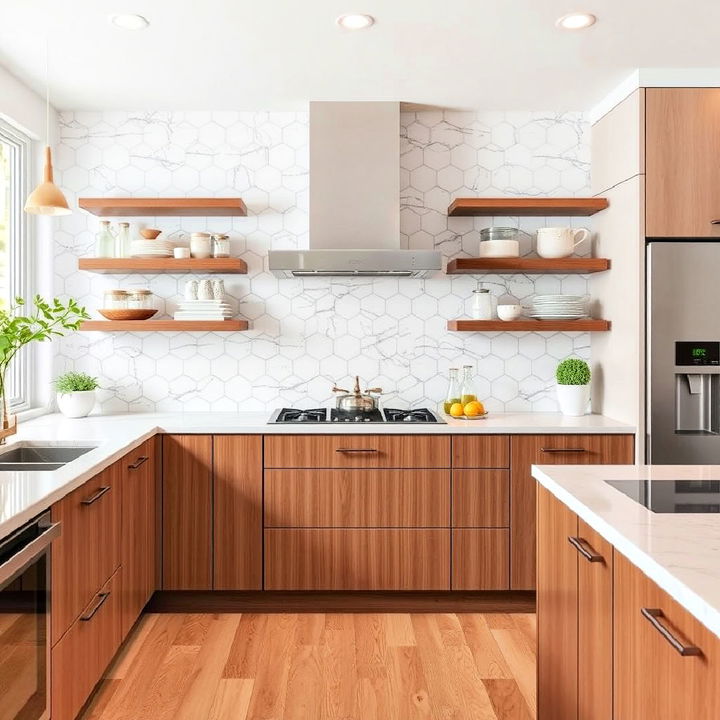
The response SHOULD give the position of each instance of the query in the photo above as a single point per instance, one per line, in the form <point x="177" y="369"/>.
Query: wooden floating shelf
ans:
<point x="164" y="207"/>
<point x="526" y="325"/>
<point x="526" y="207"/>
<point x="530" y="266"/>
<point x="163" y="265"/>
<point x="164" y="325"/>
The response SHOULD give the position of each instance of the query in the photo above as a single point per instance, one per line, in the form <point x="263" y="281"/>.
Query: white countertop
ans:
<point x="25" y="494"/>
<point x="681" y="553"/>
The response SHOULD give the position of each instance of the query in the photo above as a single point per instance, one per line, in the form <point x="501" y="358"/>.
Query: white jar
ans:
<point x="200" y="245"/>
<point x="483" y="305"/>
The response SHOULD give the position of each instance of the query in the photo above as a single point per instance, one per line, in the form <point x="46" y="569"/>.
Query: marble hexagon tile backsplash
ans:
<point x="308" y="334"/>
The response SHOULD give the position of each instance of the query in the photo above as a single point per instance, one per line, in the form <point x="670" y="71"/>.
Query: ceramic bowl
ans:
<point x="509" y="312"/>
<point x="499" y="248"/>
<point x="150" y="233"/>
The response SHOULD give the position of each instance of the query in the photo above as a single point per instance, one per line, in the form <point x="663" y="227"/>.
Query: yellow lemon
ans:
<point x="456" y="410"/>
<point x="474" y="408"/>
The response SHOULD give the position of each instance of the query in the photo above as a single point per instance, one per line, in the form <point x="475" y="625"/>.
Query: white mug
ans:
<point x="559" y="242"/>
<point x="205" y="290"/>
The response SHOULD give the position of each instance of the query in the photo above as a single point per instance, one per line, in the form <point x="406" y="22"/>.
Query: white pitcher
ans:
<point x="559" y="242"/>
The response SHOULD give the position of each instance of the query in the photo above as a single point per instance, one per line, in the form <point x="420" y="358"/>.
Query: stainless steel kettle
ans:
<point x="356" y="401"/>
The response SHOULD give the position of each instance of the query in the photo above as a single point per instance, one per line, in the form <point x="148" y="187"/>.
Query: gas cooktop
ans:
<point x="325" y="415"/>
<point x="672" y="496"/>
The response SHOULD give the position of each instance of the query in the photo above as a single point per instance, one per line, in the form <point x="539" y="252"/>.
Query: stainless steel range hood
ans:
<point x="354" y="198"/>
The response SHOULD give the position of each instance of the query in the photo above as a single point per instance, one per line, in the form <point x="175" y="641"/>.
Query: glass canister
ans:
<point x="140" y="300"/>
<point x="220" y="245"/>
<point x="115" y="300"/>
<point x="122" y="240"/>
<point x="483" y="305"/>
<point x="467" y="386"/>
<point x="453" y="393"/>
<point x="104" y="241"/>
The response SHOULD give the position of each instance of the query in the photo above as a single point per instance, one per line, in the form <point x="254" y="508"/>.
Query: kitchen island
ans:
<point x="628" y="599"/>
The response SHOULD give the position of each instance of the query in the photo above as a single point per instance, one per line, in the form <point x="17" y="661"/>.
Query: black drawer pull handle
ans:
<point x="654" y="616"/>
<point x="96" y="496"/>
<point x="563" y="450"/>
<point x="584" y="548"/>
<point x="138" y="462"/>
<point x="102" y="597"/>
<point x="356" y="450"/>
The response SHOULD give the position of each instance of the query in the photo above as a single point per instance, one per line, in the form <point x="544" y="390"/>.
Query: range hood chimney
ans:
<point x="354" y="197"/>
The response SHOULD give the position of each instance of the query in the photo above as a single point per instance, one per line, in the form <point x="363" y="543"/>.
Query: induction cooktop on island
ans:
<point x="672" y="496"/>
<point x="333" y="415"/>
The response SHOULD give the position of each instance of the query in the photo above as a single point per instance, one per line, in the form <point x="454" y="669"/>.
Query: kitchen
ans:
<point x="383" y="394"/>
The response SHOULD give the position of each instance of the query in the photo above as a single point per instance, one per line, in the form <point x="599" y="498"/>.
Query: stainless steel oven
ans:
<point x="24" y="620"/>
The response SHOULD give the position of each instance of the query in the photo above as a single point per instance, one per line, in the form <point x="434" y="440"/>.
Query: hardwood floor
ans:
<point x="322" y="667"/>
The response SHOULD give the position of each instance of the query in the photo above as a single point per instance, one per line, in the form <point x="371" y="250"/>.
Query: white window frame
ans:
<point x="20" y="260"/>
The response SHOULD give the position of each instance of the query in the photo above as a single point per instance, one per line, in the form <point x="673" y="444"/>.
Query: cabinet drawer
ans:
<point x="481" y="559"/>
<point x="81" y="656"/>
<point x="357" y="498"/>
<point x="379" y="559"/>
<point x="481" y="451"/>
<point x="87" y="552"/>
<point x="481" y="498"/>
<point x="357" y="451"/>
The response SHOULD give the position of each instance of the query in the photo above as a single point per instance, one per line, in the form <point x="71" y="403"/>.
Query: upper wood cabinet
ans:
<point x="187" y="512"/>
<point x="682" y="162"/>
<point x="527" y="450"/>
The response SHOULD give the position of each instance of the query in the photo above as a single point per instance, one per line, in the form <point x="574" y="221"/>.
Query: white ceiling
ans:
<point x="278" y="54"/>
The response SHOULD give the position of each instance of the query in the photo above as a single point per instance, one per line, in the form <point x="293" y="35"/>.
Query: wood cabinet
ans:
<point x="357" y="498"/>
<point x="187" y="512"/>
<point x="136" y="473"/>
<point x="481" y="498"/>
<point x="237" y="512"/>
<point x="357" y="451"/>
<point x="574" y="611"/>
<point x="357" y="559"/>
<point x="682" y="162"/>
<point x="528" y="450"/>
<point x="87" y="552"/>
<point x="480" y="559"/>
<point x="667" y="664"/>
<point x="480" y="451"/>
<point x="85" y="650"/>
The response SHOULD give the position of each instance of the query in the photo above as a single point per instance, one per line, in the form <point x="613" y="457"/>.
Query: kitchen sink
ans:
<point x="30" y="457"/>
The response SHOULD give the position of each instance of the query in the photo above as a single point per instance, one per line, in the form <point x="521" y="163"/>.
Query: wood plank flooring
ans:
<point x="338" y="666"/>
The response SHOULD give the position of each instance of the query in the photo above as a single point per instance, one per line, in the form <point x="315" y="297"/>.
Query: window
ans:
<point x="14" y="243"/>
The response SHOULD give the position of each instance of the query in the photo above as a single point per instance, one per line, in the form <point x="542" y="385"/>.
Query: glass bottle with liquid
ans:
<point x="467" y="387"/>
<point x="104" y="241"/>
<point x="122" y="240"/>
<point x="453" y="393"/>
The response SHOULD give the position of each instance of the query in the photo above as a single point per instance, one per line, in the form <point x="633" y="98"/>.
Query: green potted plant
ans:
<point x="573" y="386"/>
<point x="76" y="393"/>
<point x="46" y="319"/>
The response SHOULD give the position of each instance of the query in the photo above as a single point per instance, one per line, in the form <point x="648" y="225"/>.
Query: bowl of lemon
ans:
<point x="473" y="410"/>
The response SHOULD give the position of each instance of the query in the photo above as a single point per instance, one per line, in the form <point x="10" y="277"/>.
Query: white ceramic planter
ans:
<point x="76" y="404"/>
<point x="573" y="399"/>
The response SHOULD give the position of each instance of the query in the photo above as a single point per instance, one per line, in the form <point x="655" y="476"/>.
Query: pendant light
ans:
<point x="47" y="198"/>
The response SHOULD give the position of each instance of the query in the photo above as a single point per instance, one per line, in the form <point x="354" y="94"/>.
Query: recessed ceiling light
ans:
<point x="129" y="22"/>
<point x="576" y="21"/>
<point x="355" y="21"/>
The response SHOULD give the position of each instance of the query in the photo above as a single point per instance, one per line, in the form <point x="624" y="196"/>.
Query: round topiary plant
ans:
<point x="573" y="371"/>
<point x="75" y="382"/>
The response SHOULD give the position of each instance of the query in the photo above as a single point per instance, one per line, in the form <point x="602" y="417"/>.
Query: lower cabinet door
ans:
<point x="80" y="657"/>
<point x="481" y="559"/>
<point x="357" y="559"/>
<point x="666" y="664"/>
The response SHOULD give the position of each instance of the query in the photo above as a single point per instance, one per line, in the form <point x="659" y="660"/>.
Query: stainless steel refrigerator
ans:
<point x="683" y="352"/>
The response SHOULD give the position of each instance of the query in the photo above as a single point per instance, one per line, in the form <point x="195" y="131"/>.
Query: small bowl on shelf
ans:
<point x="150" y="233"/>
<point x="134" y="314"/>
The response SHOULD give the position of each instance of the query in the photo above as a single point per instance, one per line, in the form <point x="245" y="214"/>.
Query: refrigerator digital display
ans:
<point x="697" y="353"/>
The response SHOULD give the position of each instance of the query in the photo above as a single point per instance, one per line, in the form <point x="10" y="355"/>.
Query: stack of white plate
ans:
<point x="151" y="249"/>
<point x="203" y="310"/>
<point x="558" y="307"/>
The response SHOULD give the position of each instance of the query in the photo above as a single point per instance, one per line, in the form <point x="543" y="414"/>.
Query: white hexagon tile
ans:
<point x="307" y="334"/>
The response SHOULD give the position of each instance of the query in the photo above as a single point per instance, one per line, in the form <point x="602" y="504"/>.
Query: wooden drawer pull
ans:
<point x="138" y="462"/>
<point x="356" y="450"/>
<point x="584" y="548"/>
<point x="96" y="496"/>
<point x="654" y="617"/>
<point x="563" y="450"/>
<point x="102" y="597"/>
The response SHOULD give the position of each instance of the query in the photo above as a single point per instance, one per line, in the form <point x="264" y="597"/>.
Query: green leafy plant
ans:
<point x="45" y="320"/>
<point x="75" y="382"/>
<point x="573" y="371"/>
